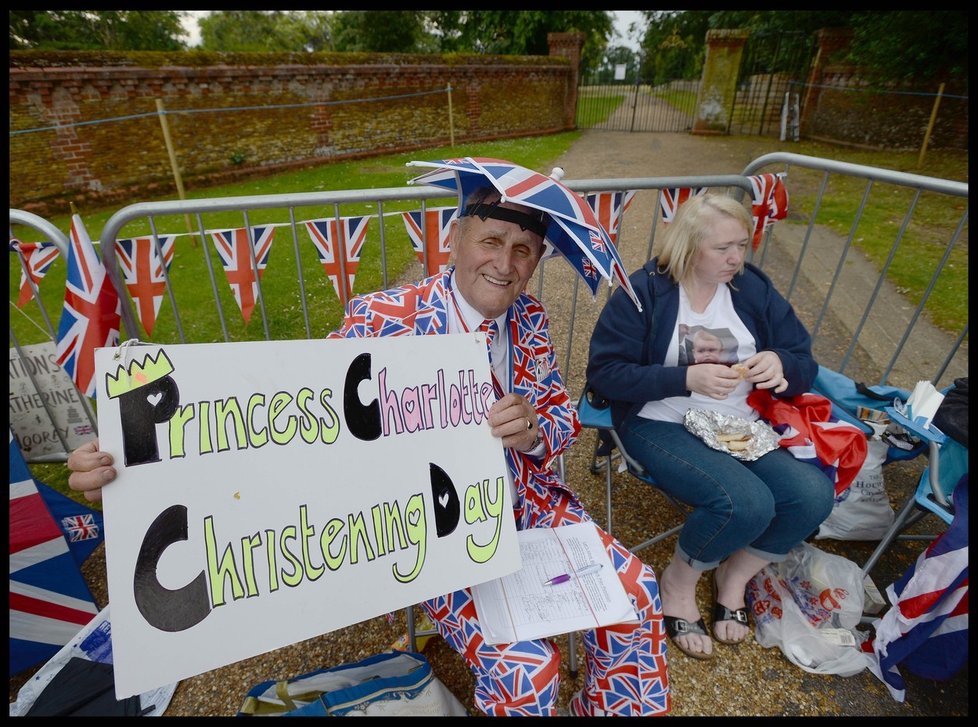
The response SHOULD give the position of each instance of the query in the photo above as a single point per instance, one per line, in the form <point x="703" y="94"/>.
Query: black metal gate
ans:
<point x="630" y="92"/>
<point x="626" y="93"/>
<point x="773" y="73"/>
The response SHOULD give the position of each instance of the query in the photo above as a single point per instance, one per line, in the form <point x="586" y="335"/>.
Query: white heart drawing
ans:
<point x="154" y="399"/>
<point x="443" y="500"/>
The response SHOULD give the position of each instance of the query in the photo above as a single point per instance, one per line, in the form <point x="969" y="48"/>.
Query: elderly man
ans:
<point x="496" y="247"/>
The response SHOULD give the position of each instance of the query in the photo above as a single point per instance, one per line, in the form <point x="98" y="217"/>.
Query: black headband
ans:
<point x="524" y="220"/>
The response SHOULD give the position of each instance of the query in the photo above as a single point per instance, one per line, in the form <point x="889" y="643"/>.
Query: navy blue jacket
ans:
<point x="628" y="348"/>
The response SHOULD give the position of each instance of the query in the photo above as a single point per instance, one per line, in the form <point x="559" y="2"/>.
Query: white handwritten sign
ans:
<point x="269" y="492"/>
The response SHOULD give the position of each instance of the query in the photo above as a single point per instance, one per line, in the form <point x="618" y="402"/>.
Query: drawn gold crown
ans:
<point x="138" y="374"/>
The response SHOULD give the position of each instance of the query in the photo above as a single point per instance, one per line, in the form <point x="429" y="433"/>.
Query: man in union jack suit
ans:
<point x="496" y="247"/>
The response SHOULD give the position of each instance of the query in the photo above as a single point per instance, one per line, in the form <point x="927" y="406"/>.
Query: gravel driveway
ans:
<point x="743" y="681"/>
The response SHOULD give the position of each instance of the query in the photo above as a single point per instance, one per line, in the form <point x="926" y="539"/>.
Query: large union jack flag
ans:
<point x="434" y="240"/>
<point x="671" y="198"/>
<point x="926" y="628"/>
<point x="37" y="258"/>
<point x="348" y="236"/>
<point x="49" y="600"/>
<point x="235" y="251"/>
<point x="609" y="208"/>
<point x="142" y="270"/>
<point x="91" y="314"/>
<point x="770" y="203"/>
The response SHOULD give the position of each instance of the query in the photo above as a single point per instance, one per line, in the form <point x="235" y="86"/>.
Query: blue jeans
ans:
<point x="767" y="506"/>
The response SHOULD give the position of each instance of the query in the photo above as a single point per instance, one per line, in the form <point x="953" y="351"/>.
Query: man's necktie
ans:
<point x="491" y="328"/>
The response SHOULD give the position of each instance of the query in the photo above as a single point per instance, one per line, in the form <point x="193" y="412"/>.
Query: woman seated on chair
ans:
<point x="736" y="332"/>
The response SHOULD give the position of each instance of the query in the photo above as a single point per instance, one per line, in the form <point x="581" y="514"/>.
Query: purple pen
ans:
<point x="583" y="571"/>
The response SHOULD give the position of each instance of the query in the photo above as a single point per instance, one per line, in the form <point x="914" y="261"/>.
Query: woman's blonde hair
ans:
<point x="693" y="220"/>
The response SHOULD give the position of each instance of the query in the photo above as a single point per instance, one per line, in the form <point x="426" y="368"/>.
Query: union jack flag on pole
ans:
<point x="609" y="208"/>
<point x="142" y="270"/>
<point x="671" y="198"/>
<point x="926" y="628"/>
<point x="434" y="240"/>
<point x="37" y="258"/>
<point x="770" y="203"/>
<point x="235" y="250"/>
<point x="348" y="236"/>
<point x="92" y="312"/>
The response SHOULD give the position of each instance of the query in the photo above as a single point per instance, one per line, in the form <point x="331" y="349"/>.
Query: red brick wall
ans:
<point x="492" y="98"/>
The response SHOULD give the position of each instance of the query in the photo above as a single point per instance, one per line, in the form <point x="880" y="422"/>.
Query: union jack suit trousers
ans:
<point x="625" y="670"/>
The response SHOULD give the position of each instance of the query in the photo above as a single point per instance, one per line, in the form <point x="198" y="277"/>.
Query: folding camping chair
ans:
<point x="595" y="413"/>
<point x="947" y="460"/>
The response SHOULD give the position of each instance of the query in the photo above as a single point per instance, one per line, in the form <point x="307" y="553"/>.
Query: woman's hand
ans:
<point x="713" y="380"/>
<point x="514" y="420"/>
<point x="90" y="470"/>
<point x="764" y="371"/>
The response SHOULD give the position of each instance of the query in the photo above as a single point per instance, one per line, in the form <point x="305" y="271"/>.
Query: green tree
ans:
<point x="379" y="31"/>
<point x="242" y="31"/>
<point x="96" y="30"/>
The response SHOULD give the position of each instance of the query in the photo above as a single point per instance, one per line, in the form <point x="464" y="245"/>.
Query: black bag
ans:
<point x="83" y="688"/>
<point x="952" y="415"/>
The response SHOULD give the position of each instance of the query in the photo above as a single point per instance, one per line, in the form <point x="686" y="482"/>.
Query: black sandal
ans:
<point x="676" y="626"/>
<point x="722" y="613"/>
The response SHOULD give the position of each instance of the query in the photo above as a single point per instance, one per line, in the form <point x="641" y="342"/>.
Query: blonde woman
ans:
<point x="745" y="513"/>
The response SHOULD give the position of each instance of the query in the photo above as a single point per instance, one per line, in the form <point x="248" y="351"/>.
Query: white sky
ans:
<point x="622" y="20"/>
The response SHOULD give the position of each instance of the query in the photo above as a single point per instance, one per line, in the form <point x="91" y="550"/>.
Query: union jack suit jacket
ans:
<point x="422" y="310"/>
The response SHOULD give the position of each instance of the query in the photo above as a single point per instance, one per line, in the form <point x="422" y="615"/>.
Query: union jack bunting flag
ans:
<point x="435" y="238"/>
<point x="37" y="258"/>
<point x="926" y="629"/>
<point x="143" y="273"/>
<point x="609" y="208"/>
<point x="670" y="199"/>
<point x="351" y="233"/>
<point x="235" y="252"/>
<point x="91" y="314"/>
<point x="49" y="600"/>
<point x="770" y="202"/>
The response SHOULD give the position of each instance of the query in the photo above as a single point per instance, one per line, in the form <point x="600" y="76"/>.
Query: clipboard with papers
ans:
<point x="537" y="601"/>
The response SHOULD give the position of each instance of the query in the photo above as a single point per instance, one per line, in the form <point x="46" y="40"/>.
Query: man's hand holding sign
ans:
<point x="259" y="480"/>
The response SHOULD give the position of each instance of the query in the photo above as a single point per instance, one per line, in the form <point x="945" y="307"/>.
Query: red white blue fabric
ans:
<point x="433" y="241"/>
<point x="142" y="270"/>
<point x="347" y="236"/>
<point x="670" y="199"/>
<point x="235" y="250"/>
<point x="926" y="629"/>
<point x="49" y="601"/>
<point x="626" y="664"/>
<point x="812" y="433"/>
<point x="91" y="314"/>
<point x="37" y="258"/>
<point x="572" y="229"/>
<point x="770" y="203"/>
<point x="609" y="208"/>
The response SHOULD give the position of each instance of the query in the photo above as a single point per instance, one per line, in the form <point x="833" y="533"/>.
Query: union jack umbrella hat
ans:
<point x="568" y="224"/>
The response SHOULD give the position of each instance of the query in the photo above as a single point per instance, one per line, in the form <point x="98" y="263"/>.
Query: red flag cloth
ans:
<point x="232" y="247"/>
<point x="37" y="257"/>
<point x="770" y="202"/>
<point x="807" y="419"/>
<point x="609" y="208"/>
<point x="346" y="236"/>
<point x="670" y="199"/>
<point x="433" y="240"/>
<point x="143" y="272"/>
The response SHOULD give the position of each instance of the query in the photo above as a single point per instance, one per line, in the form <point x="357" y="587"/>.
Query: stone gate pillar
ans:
<point x="715" y="103"/>
<point x="568" y="45"/>
<point x="831" y="42"/>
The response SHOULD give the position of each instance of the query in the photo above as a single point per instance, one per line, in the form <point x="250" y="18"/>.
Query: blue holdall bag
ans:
<point x="395" y="683"/>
